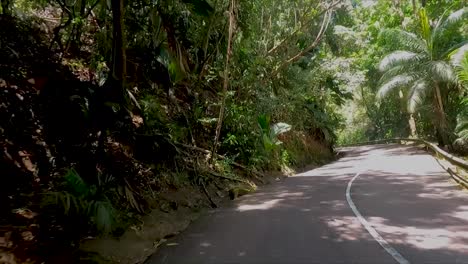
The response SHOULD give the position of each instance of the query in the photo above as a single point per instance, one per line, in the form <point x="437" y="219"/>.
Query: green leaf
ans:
<point x="425" y="27"/>
<point x="75" y="183"/>
<point x="264" y="123"/>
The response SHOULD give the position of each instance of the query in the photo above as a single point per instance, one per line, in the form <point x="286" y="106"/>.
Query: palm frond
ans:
<point x="397" y="81"/>
<point x="404" y="40"/>
<point x="399" y="58"/>
<point x="457" y="56"/>
<point x="452" y="20"/>
<point x="409" y="70"/>
<point x="442" y="71"/>
<point x="463" y="70"/>
<point x="416" y="94"/>
<point x="425" y="27"/>
<point x="395" y="71"/>
<point x="462" y="122"/>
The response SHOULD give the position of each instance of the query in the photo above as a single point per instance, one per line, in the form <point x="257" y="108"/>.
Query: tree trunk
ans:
<point x="412" y="125"/>
<point x="415" y="8"/>
<point x="119" y="65"/>
<point x="114" y="91"/>
<point x="226" y="78"/>
<point x="441" y="120"/>
<point x="6" y="7"/>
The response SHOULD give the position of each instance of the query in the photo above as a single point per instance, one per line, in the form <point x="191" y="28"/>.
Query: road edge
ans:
<point x="377" y="237"/>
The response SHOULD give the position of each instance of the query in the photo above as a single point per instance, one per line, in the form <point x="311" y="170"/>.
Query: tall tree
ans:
<point x="231" y="28"/>
<point x="421" y="65"/>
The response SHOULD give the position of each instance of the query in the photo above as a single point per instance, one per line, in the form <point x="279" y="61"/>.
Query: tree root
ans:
<point x="212" y="203"/>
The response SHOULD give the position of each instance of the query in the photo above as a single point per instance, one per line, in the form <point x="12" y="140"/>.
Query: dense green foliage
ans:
<point x="414" y="85"/>
<point x="110" y="103"/>
<point x="106" y="104"/>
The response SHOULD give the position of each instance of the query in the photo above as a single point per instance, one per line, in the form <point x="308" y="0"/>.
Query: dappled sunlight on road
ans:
<point x="334" y="204"/>
<point x="261" y="206"/>
<point x="423" y="238"/>
<point x="401" y="191"/>
<point x="426" y="238"/>
<point x="462" y="213"/>
<point x="346" y="228"/>
<point x="405" y="184"/>
<point x="412" y="203"/>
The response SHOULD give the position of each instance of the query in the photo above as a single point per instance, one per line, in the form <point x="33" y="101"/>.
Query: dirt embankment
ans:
<point x="172" y="214"/>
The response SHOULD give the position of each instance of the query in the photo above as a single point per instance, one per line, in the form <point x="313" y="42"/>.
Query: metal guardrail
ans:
<point x="439" y="152"/>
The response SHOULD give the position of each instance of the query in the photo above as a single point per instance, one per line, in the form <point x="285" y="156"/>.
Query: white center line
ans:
<point x="390" y="250"/>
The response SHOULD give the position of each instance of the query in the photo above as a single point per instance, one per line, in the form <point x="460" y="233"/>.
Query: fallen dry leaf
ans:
<point x="27" y="161"/>
<point x="26" y="213"/>
<point x="27" y="236"/>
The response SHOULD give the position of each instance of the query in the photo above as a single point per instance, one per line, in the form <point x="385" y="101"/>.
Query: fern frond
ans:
<point x="65" y="200"/>
<point x="75" y="183"/>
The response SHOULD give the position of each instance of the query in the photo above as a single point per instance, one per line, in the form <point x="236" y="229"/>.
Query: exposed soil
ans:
<point x="173" y="213"/>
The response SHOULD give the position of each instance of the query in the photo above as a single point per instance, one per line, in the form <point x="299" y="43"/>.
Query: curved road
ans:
<point x="401" y="207"/>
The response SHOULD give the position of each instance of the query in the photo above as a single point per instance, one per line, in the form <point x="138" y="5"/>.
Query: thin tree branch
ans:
<point x="91" y="8"/>
<point x="64" y="7"/>
<point x="303" y="25"/>
<point x="318" y="38"/>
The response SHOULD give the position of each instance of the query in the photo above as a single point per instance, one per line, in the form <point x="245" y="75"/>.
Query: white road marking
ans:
<point x="390" y="250"/>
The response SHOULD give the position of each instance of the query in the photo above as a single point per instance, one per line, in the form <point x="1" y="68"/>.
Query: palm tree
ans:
<point x="421" y="68"/>
<point x="460" y="60"/>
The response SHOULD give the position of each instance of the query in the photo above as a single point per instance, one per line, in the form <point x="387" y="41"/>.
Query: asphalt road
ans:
<point x="401" y="207"/>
